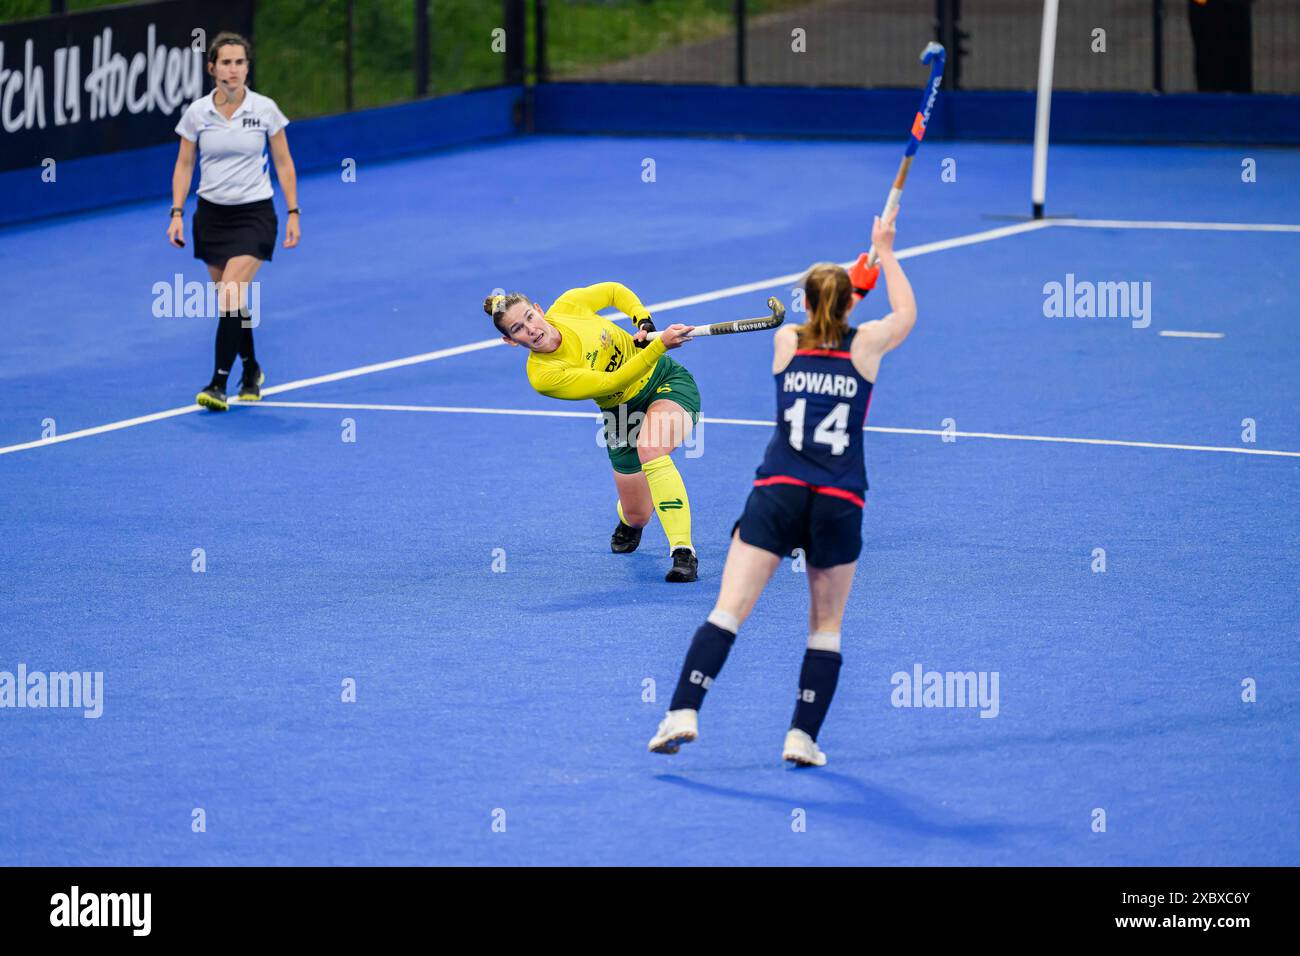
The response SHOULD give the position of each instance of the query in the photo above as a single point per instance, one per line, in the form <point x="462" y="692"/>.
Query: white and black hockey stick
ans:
<point x="738" y="325"/>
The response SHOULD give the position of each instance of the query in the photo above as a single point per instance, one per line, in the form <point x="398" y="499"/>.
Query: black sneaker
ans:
<point x="212" y="397"/>
<point x="625" y="539"/>
<point x="685" y="566"/>
<point x="250" y="386"/>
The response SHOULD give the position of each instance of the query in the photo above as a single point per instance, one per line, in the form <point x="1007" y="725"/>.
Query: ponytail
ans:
<point x="828" y="295"/>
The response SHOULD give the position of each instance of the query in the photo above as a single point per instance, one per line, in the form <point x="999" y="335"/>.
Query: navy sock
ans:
<point x="229" y="334"/>
<point x="817" y="680"/>
<point x="704" y="660"/>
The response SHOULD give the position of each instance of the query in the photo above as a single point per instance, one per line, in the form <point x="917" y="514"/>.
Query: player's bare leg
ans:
<point x="746" y="573"/>
<point x="635" y="508"/>
<point x="828" y="594"/>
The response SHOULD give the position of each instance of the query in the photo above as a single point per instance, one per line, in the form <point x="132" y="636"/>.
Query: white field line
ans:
<point x="595" y="416"/>
<point x="274" y="390"/>
<point x="1170" y="333"/>
<point x="1176" y="224"/>
<point x="985" y="236"/>
<point x="383" y="366"/>
<point x="448" y="409"/>
<point x="101" y="429"/>
<point x="955" y="242"/>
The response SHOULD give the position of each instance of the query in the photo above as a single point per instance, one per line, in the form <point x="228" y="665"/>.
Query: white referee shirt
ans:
<point x="233" y="164"/>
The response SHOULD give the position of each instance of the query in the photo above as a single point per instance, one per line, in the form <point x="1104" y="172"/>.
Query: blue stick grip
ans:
<point x="934" y="54"/>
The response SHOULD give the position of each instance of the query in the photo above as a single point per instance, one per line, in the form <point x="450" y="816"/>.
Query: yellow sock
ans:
<point x="669" y="495"/>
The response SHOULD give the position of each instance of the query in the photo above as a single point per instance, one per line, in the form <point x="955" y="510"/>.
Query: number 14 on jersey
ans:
<point x="833" y="430"/>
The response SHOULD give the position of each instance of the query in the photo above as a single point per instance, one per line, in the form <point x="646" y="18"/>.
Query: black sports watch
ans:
<point x="649" y="326"/>
<point x="295" y="211"/>
<point x="178" y="211"/>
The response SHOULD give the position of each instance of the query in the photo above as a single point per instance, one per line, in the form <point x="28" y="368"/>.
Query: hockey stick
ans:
<point x="933" y="54"/>
<point x="738" y="325"/>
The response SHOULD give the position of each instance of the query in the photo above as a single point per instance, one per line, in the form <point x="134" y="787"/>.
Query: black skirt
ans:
<point x="221" y="232"/>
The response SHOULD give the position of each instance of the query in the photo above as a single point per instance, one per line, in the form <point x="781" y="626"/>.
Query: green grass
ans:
<point x="301" y="51"/>
<point x="585" y="33"/>
<point x="461" y="46"/>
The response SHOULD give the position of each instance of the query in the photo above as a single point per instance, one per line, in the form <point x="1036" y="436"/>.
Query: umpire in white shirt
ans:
<point x="235" y="226"/>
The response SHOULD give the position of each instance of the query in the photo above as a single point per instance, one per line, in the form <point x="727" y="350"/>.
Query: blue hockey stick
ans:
<point x="933" y="54"/>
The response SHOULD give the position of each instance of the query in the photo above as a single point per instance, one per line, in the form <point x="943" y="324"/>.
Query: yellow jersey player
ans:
<point x="650" y="403"/>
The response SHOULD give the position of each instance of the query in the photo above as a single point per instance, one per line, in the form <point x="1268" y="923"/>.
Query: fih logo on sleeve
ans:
<point x="103" y="909"/>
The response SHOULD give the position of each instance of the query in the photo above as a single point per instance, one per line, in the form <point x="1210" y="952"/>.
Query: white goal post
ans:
<point x="1043" y="113"/>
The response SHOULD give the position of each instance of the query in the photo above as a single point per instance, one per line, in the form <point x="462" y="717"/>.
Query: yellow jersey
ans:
<point x="596" y="358"/>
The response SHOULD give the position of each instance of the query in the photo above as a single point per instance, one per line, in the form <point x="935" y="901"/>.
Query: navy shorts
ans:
<point x="825" y="523"/>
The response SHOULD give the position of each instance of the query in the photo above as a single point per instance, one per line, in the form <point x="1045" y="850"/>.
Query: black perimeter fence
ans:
<point x="1128" y="45"/>
<point x="330" y="56"/>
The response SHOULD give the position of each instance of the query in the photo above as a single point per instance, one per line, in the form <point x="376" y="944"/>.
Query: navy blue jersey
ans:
<point x="821" y="406"/>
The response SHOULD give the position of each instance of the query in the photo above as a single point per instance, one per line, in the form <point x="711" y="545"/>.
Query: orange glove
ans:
<point x="863" y="279"/>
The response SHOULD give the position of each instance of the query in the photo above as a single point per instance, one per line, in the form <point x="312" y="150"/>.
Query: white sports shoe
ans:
<point x="678" y="727"/>
<point x="802" y="750"/>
